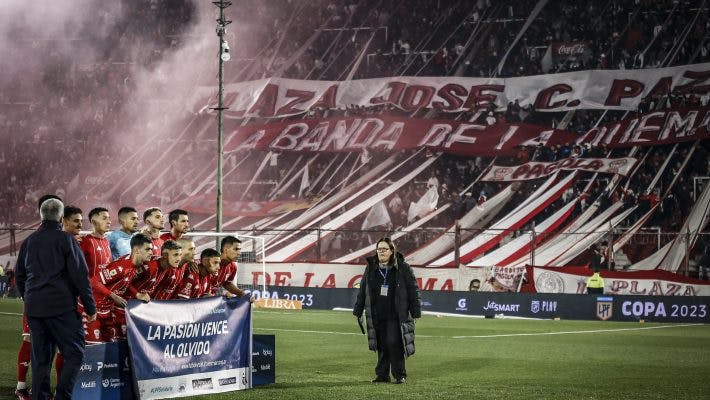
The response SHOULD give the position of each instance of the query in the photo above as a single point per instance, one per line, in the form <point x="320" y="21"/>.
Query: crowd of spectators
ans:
<point x="87" y="98"/>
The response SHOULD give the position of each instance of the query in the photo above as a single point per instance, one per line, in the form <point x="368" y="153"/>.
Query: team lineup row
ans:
<point x="121" y="265"/>
<point x="131" y="264"/>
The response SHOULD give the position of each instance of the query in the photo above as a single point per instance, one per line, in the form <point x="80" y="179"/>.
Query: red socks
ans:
<point x="24" y="356"/>
<point x="58" y="363"/>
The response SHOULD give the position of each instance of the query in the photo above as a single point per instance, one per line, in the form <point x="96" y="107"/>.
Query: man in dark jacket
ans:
<point x="390" y="298"/>
<point x="51" y="272"/>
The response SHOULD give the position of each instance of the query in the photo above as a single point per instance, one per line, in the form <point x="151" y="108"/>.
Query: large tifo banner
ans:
<point x="534" y="170"/>
<point x="597" y="89"/>
<point x="190" y="347"/>
<point x="392" y="133"/>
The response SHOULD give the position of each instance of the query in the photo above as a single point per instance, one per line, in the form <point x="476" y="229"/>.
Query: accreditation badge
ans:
<point x="383" y="290"/>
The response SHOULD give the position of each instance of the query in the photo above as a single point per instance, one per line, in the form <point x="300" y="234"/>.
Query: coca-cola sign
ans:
<point x="567" y="49"/>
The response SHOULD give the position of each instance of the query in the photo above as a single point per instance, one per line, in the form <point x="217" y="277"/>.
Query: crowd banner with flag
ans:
<point x="386" y="133"/>
<point x="535" y="170"/>
<point x="649" y="283"/>
<point x="592" y="89"/>
<point x="377" y="216"/>
<point x="426" y="204"/>
<point x="190" y="347"/>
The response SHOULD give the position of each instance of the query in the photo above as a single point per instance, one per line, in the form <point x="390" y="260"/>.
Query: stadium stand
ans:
<point x="77" y="125"/>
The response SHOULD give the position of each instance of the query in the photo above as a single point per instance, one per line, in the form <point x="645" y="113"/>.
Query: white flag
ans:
<point x="377" y="216"/>
<point x="305" y="182"/>
<point x="424" y="206"/>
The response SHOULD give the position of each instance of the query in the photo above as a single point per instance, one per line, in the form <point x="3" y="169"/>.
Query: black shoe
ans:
<point x="400" y="381"/>
<point x="380" y="379"/>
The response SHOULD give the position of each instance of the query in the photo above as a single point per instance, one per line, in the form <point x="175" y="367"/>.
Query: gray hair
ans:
<point x="52" y="210"/>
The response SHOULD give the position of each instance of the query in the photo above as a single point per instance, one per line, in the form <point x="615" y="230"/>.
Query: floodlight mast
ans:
<point x="222" y="56"/>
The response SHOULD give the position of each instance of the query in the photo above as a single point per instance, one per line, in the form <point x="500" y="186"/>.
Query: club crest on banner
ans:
<point x="535" y="306"/>
<point x="605" y="308"/>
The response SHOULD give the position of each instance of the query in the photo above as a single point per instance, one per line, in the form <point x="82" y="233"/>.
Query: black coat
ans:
<point x="407" y="301"/>
<point x="51" y="273"/>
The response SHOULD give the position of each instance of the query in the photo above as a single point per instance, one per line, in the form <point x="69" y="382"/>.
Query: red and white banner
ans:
<point x="545" y="280"/>
<point x="392" y="133"/>
<point x="596" y="89"/>
<point x="652" y="283"/>
<point x="338" y="275"/>
<point x="503" y="279"/>
<point x="386" y="133"/>
<point x="653" y="129"/>
<point x="535" y="170"/>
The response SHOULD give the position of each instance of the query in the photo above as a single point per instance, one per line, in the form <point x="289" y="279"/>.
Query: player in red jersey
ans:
<point x="188" y="253"/>
<point x="109" y="286"/>
<point x="147" y="281"/>
<point x="154" y="222"/>
<point x="197" y="284"/>
<point x="95" y="246"/>
<point x="170" y="271"/>
<point x="72" y="221"/>
<point x="230" y="249"/>
<point x="179" y="225"/>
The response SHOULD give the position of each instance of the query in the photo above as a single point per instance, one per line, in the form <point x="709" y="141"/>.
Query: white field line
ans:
<point x="492" y="336"/>
<point x="575" y="332"/>
<point x="474" y="336"/>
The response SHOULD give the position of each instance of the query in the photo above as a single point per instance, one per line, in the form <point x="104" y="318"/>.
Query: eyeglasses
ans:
<point x="383" y="249"/>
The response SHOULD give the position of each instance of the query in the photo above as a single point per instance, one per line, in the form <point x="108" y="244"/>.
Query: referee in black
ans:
<point x="51" y="274"/>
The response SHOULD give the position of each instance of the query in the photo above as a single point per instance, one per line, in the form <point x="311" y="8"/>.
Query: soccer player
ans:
<point x="230" y="249"/>
<point x="120" y="239"/>
<point x="147" y="281"/>
<point x="154" y="222"/>
<point x="188" y="253"/>
<point x="196" y="284"/>
<point x="171" y="271"/>
<point x="72" y="221"/>
<point x="95" y="246"/>
<point x="109" y="286"/>
<point x="179" y="225"/>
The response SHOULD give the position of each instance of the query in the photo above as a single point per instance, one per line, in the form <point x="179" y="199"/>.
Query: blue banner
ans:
<point x="105" y="373"/>
<point x="190" y="347"/>
<point x="263" y="370"/>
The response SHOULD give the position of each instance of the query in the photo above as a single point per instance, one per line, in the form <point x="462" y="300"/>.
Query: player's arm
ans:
<point x="133" y="288"/>
<point x="233" y="289"/>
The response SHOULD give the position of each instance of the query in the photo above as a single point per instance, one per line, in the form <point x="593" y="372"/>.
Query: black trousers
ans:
<point x="66" y="332"/>
<point x="390" y="351"/>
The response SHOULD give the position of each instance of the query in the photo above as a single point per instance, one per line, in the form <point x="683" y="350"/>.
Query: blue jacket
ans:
<point x="51" y="273"/>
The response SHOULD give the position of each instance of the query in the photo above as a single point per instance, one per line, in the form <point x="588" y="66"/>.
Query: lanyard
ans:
<point x="384" y="276"/>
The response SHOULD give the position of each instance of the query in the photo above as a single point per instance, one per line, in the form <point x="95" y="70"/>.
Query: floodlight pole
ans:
<point x="223" y="48"/>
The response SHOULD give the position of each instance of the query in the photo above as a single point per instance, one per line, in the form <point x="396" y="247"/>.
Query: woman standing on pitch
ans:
<point x="390" y="296"/>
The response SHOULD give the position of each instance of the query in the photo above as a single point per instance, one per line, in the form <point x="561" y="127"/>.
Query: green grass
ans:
<point x="459" y="358"/>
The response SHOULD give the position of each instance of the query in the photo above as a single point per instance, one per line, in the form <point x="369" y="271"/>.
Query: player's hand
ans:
<point x="144" y="297"/>
<point x="91" y="318"/>
<point x="251" y="299"/>
<point x="120" y="301"/>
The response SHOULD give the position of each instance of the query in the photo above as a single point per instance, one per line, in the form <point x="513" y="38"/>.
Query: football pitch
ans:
<point x="323" y="355"/>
